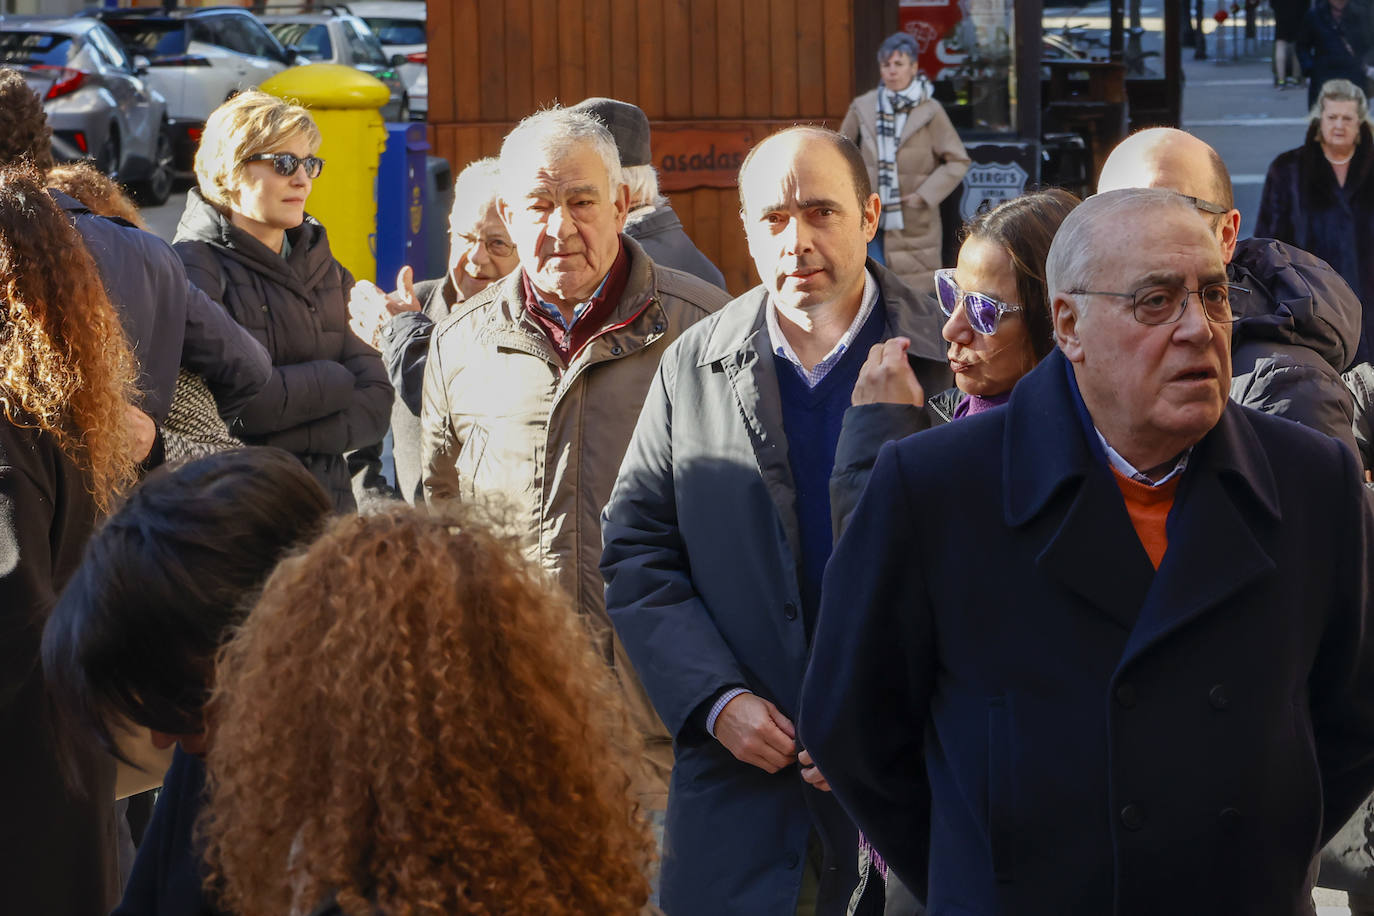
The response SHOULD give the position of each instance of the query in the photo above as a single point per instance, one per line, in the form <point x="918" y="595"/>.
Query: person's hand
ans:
<point x="142" y="431"/>
<point x="886" y="377"/>
<point x="367" y="312"/>
<point x="1369" y="476"/>
<point x="811" y="773"/>
<point x="403" y="299"/>
<point x="754" y="731"/>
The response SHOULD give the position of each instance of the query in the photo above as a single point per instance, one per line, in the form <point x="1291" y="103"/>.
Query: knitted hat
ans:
<point x="627" y="124"/>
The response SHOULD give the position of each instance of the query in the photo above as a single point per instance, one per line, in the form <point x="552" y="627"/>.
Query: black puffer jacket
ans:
<point x="1298" y="329"/>
<point x="328" y="393"/>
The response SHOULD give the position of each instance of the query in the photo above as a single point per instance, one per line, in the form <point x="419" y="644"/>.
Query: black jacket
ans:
<point x="405" y="350"/>
<point x="328" y="393"/>
<point x="659" y="232"/>
<point x="1298" y="329"/>
<point x="1330" y="50"/>
<point x="1304" y="206"/>
<point x="170" y="323"/>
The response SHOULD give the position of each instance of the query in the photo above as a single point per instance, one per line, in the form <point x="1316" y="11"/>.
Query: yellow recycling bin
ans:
<point x="344" y="103"/>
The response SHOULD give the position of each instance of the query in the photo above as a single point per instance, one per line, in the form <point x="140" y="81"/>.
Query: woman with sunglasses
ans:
<point x="246" y="240"/>
<point x="998" y="327"/>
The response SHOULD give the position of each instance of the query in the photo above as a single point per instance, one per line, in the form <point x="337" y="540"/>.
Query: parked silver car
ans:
<point x="98" y="103"/>
<point x="400" y="26"/>
<point x="335" y="36"/>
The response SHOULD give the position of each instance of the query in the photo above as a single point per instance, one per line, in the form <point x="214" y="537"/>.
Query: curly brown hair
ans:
<point x="65" y="365"/>
<point x="24" y="132"/>
<point x="414" y="720"/>
<point x="95" y="190"/>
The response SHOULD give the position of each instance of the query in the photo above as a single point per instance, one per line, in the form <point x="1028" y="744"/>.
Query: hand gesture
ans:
<point x="754" y="731"/>
<point x="142" y="431"/>
<point x="403" y="299"/>
<point x="811" y="773"/>
<point x="886" y="377"/>
<point x="367" y="312"/>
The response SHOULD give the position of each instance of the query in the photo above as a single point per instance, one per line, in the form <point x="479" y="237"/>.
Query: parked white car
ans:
<point x="337" y="37"/>
<point x="400" y="26"/>
<point x="198" y="58"/>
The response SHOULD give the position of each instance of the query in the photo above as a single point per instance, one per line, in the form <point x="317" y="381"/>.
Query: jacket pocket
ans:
<point x="1000" y="802"/>
<point x="470" y="460"/>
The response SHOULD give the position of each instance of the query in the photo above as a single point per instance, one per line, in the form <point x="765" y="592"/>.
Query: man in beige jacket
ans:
<point x="533" y="386"/>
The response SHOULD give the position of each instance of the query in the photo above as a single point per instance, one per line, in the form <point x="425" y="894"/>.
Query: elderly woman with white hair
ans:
<point x="914" y="158"/>
<point x="1320" y="196"/>
<point x="246" y="240"/>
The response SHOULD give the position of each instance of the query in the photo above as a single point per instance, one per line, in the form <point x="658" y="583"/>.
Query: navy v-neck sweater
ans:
<point x="811" y="418"/>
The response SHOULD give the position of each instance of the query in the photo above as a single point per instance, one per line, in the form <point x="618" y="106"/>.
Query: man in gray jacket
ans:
<point x="718" y="530"/>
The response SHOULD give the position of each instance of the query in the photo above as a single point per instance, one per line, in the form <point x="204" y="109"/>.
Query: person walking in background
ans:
<point x="532" y="388"/>
<point x="1288" y="16"/>
<point x="651" y="222"/>
<point x="1320" y="196"/>
<point x="719" y="528"/>
<point x="1331" y="44"/>
<point x="400" y="323"/>
<point x="412" y="720"/>
<point x="67" y="451"/>
<point x="914" y="160"/>
<point x="163" y="584"/>
<point x="246" y="240"/>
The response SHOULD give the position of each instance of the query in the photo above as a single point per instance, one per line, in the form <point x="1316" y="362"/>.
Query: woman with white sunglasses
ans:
<point x="246" y="240"/>
<point x="998" y="327"/>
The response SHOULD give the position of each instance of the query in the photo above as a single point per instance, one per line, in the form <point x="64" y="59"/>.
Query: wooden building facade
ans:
<point x="714" y="76"/>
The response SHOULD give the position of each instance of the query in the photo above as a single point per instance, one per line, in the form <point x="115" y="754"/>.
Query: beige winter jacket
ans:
<point x="502" y="419"/>
<point x="931" y="161"/>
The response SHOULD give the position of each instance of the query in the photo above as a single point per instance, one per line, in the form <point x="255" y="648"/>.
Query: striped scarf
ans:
<point x="893" y="107"/>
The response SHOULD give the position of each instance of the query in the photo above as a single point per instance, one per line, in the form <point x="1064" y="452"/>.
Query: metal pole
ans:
<point x="1200" y="52"/>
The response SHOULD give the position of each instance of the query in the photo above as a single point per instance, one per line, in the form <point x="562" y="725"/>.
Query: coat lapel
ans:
<point x="1213" y="553"/>
<point x="739" y="345"/>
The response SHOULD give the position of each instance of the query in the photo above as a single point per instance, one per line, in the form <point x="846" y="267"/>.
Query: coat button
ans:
<point x="616" y="351"/>
<point x="1125" y="695"/>
<point x="1218" y="698"/>
<point x="789" y="610"/>
<point x="1229" y="816"/>
<point x="1132" y="817"/>
<point x="658" y="328"/>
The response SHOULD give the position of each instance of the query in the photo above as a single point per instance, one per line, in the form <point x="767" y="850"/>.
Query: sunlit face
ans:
<point x="264" y="200"/>
<point x="565" y="220"/>
<point x="898" y="71"/>
<point x="481" y="251"/>
<point x="1151" y="389"/>
<point x="988" y="365"/>
<point x="807" y="232"/>
<point x="1340" y="124"/>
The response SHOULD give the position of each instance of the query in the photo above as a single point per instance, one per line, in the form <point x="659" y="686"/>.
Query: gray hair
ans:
<point x="476" y="188"/>
<point x="1340" y="91"/>
<point x="554" y="132"/>
<point x="643" y="182"/>
<point x="1084" y="234"/>
<point x="898" y="41"/>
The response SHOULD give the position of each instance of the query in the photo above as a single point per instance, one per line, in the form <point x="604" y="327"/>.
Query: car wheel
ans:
<point x="107" y="160"/>
<point x="154" y="190"/>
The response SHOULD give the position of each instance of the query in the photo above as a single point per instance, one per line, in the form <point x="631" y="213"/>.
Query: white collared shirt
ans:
<point x="1126" y="469"/>
<point x="784" y="349"/>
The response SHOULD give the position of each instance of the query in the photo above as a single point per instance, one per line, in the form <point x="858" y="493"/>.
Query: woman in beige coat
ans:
<point x="914" y="160"/>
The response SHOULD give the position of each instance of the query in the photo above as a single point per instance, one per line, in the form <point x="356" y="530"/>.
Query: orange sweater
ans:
<point x="1149" y="509"/>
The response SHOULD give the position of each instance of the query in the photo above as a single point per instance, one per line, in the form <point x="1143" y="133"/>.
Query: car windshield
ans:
<point x="390" y="31"/>
<point x="48" y="48"/>
<point x="311" y="40"/>
<point x="151" y="39"/>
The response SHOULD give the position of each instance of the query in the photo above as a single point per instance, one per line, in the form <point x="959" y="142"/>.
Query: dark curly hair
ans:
<point x="65" y="365"/>
<point x="413" y="720"/>
<point x="24" y="132"/>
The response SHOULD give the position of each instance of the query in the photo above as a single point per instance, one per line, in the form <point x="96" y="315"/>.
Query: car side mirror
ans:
<point x="399" y="60"/>
<point x="141" y="64"/>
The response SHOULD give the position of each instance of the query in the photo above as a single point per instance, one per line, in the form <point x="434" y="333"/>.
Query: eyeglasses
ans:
<point x="983" y="312"/>
<point x="286" y="164"/>
<point x="1206" y="206"/>
<point x="1165" y="303"/>
<point x="496" y="246"/>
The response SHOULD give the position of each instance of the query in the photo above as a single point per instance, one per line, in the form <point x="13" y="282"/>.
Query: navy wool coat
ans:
<point x="1099" y="737"/>
<point x="701" y="552"/>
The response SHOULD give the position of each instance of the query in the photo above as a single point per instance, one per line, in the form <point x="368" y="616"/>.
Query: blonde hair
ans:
<point x="251" y="122"/>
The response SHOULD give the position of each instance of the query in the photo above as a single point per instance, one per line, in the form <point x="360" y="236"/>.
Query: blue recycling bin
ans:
<point x="401" y="212"/>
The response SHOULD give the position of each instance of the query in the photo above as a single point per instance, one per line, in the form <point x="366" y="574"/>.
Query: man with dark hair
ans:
<point x="1105" y="649"/>
<point x="170" y="323"/>
<point x="1301" y="320"/>
<point x="719" y="528"/>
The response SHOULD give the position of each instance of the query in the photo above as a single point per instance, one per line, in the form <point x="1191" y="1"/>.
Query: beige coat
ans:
<point x="503" y="419"/>
<point x="931" y="161"/>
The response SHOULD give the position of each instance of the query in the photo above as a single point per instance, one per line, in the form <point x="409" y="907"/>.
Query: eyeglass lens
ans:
<point x="287" y="163"/>
<point x="980" y="310"/>
<point x="1163" y="304"/>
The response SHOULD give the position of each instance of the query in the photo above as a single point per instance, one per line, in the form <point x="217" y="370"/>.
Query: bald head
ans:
<point x="1165" y="157"/>
<point x="785" y="141"/>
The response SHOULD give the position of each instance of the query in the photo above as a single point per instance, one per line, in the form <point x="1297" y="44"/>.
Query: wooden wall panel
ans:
<point x="709" y="64"/>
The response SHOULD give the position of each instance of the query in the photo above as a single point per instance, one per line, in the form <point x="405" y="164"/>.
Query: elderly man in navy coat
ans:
<point x="1103" y="650"/>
